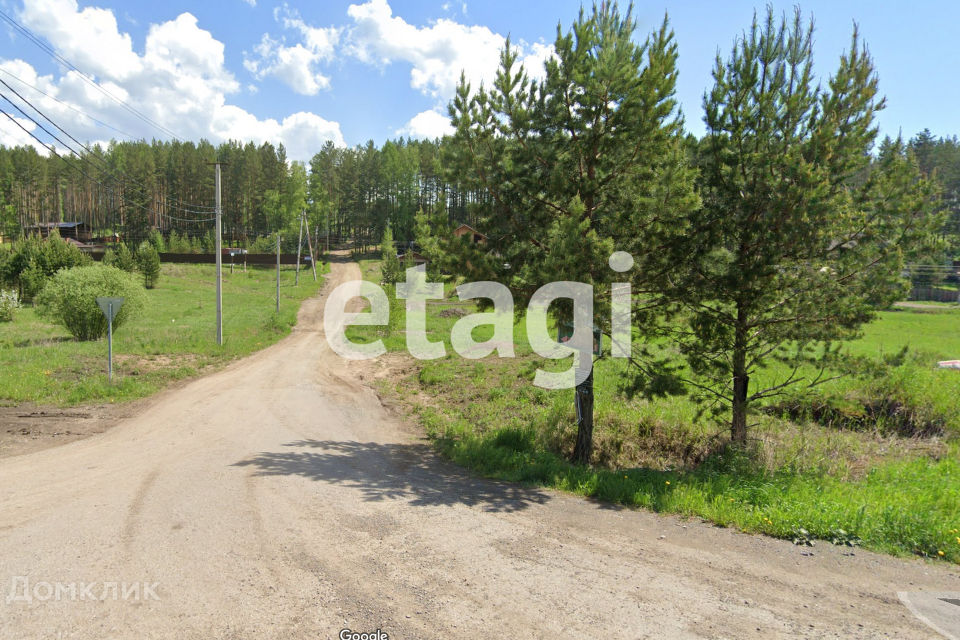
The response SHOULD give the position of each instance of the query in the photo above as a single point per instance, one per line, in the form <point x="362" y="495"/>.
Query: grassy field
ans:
<point x="854" y="476"/>
<point x="174" y="339"/>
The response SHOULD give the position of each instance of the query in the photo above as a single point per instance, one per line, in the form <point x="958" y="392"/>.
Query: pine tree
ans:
<point x="570" y="169"/>
<point x="121" y="257"/>
<point x="390" y="268"/>
<point x="148" y="264"/>
<point x="801" y="236"/>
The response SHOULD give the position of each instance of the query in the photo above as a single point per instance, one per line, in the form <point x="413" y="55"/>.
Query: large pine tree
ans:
<point x="571" y="168"/>
<point x="802" y="234"/>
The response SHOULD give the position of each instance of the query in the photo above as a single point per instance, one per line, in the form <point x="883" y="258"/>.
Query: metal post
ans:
<point x="110" y="342"/>
<point x="278" y="273"/>
<point x="219" y="258"/>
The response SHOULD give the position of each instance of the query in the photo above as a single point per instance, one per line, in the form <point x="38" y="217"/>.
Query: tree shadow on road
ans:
<point x="410" y="472"/>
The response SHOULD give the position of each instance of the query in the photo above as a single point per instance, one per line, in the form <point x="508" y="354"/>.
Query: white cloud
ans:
<point x="89" y="39"/>
<point x="295" y="66"/>
<point x="12" y="135"/>
<point x="318" y="40"/>
<point x="180" y="82"/>
<point x="427" y="125"/>
<point x="438" y="53"/>
<point x="252" y="3"/>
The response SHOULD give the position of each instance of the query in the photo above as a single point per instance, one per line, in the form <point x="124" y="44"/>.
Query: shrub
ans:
<point x="148" y="264"/>
<point x="264" y="244"/>
<point x="9" y="302"/>
<point x="70" y="299"/>
<point x="33" y="261"/>
<point x="121" y="257"/>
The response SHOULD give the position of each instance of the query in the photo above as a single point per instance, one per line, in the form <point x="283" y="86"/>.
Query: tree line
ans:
<point x="133" y="188"/>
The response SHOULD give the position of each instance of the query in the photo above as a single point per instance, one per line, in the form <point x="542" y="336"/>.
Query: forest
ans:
<point x="131" y="188"/>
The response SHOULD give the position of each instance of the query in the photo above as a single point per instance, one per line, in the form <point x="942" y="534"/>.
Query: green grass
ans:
<point x="175" y="339"/>
<point x="804" y="480"/>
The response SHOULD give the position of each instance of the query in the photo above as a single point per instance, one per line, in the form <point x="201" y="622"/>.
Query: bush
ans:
<point x="264" y="244"/>
<point x="34" y="261"/>
<point x="148" y="264"/>
<point x="70" y="299"/>
<point x="9" y="302"/>
<point x="121" y="257"/>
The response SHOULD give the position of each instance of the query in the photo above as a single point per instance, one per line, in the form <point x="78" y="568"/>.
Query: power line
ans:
<point x="104" y="124"/>
<point x="53" y="150"/>
<point x="23" y="30"/>
<point x="103" y="160"/>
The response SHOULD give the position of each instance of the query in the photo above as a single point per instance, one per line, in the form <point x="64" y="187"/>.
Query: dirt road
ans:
<point x="279" y="499"/>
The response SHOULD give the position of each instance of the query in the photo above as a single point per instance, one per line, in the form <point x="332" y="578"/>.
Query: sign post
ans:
<point x="110" y="308"/>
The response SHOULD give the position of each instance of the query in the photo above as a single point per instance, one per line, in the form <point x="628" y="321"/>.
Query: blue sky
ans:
<point x="302" y="73"/>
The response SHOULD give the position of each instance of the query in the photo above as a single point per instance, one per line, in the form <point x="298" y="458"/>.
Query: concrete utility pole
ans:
<point x="300" y="245"/>
<point x="219" y="253"/>
<point x="310" y="247"/>
<point x="278" y="273"/>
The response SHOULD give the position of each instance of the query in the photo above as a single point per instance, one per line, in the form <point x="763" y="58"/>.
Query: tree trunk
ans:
<point x="584" y="402"/>
<point x="738" y="424"/>
<point x="741" y="383"/>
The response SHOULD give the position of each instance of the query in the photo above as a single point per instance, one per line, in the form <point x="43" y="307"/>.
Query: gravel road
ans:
<point x="278" y="498"/>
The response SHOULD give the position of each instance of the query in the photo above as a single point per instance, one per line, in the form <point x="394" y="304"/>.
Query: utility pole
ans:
<point x="310" y="247"/>
<point x="328" y="231"/>
<point x="300" y="245"/>
<point x="278" y="273"/>
<point x="219" y="252"/>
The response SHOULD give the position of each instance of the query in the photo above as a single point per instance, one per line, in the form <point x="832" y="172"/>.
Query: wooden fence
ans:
<point x="210" y="258"/>
<point x="933" y="294"/>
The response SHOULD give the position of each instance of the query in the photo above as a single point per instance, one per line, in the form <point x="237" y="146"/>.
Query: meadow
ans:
<point x="174" y="339"/>
<point x="871" y="459"/>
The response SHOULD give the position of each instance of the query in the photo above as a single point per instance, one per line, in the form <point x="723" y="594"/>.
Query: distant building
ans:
<point x="75" y="230"/>
<point x="417" y="258"/>
<point x="466" y="230"/>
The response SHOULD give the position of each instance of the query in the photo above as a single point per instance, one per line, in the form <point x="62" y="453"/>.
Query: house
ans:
<point x="75" y="230"/>
<point x="417" y="258"/>
<point x="466" y="230"/>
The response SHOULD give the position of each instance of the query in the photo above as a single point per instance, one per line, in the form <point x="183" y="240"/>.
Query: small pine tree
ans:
<point x="156" y="239"/>
<point x="148" y="264"/>
<point x="208" y="243"/>
<point x="176" y="243"/>
<point x="390" y="267"/>
<point x="121" y="257"/>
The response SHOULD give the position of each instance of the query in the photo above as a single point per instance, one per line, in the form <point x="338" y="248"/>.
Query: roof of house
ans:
<point x="464" y="224"/>
<point x="56" y="225"/>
